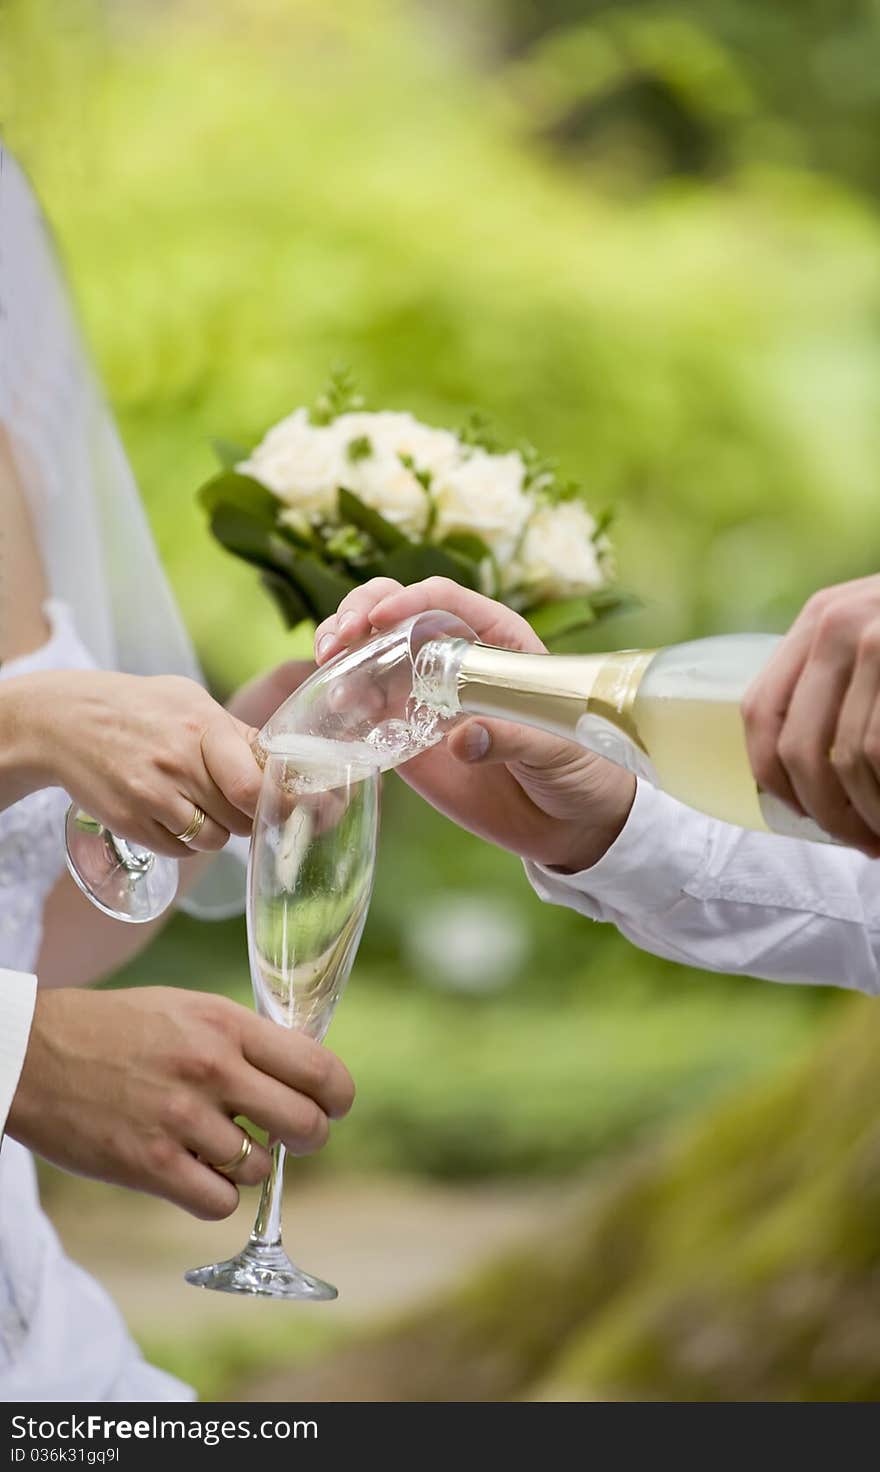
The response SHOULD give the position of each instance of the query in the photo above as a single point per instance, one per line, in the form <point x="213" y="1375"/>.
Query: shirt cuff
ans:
<point x="660" y="848"/>
<point x="18" y="993"/>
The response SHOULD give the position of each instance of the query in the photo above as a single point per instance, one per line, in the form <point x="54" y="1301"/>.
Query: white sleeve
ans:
<point x="18" y="993"/>
<point x="708" y="894"/>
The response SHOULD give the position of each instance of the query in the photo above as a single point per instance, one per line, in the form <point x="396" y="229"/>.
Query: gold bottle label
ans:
<point x="553" y="692"/>
<point x="614" y="690"/>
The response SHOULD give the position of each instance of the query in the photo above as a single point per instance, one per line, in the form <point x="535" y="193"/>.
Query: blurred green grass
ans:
<point x="520" y="1083"/>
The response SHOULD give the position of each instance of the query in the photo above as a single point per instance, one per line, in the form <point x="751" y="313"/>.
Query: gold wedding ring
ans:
<point x="194" y="827"/>
<point x="229" y="1166"/>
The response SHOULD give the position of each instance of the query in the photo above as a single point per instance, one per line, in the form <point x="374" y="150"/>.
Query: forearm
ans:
<point x="705" y="894"/>
<point x="82" y="946"/>
<point x="25" y="754"/>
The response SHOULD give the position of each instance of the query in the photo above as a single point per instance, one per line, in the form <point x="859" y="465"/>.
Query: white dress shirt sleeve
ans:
<point x="708" y="894"/>
<point x="18" y="993"/>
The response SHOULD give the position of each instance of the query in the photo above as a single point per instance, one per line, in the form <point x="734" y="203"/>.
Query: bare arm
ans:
<point x="81" y="946"/>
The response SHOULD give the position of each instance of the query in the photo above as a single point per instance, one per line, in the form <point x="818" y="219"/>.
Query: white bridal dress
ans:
<point x="61" y="1337"/>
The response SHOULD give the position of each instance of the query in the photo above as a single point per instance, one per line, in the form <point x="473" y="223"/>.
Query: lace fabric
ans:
<point x="32" y="831"/>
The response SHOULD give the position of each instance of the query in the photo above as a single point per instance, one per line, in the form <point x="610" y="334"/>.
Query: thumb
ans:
<point x="484" y="742"/>
<point x="227" y="751"/>
<point x="250" y="734"/>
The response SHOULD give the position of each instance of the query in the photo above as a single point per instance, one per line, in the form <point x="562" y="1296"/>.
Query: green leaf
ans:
<point x="348" y="543"/>
<point x="321" y="588"/>
<point x="360" y="448"/>
<point x="478" y="432"/>
<point x="467" y="545"/>
<point x="228" y="454"/>
<point x="607" y="601"/>
<point x="386" y="536"/>
<point x="244" y="519"/>
<point x="290" y="602"/>
<point x="301" y="536"/>
<point x="603" y="521"/>
<point x="248" y="537"/>
<point x="243" y="493"/>
<point x="411" y="564"/>
<point x="565" y="616"/>
<point x="341" y="396"/>
<point x="562" y="616"/>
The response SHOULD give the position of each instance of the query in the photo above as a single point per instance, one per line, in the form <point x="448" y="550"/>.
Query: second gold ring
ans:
<point x="194" y="827"/>
<point x="229" y="1166"/>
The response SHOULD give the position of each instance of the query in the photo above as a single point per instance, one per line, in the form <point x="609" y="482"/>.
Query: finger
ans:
<point x="492" y="622"/>
<point x="805" y="744"/>
<point x="284" y="1113"/>
<point x="204" y="1193"/>
<point x="210" y="838"/>
<point x="173" y="812"/>
<point x="216" y="1139"/>
<point x="351" y="621"/>
<point x="300" y="1063"/>
<point x="853" y="753"/>
<point x="231" y="764"/>
<point x="764" y="709"/>
<point x="154" y="836"/>
<point x="199" y="789"/>
<point x="491" y="742"/>
<point x="359" y="696"/>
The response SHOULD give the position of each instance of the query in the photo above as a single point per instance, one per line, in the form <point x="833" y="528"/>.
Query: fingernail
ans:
<point x="475" y="743"/>
<point x="347" y="621"/>
<point x="325" y="644"/>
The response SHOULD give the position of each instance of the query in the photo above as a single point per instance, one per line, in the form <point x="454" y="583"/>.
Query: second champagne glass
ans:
<point x="309" y="882"/>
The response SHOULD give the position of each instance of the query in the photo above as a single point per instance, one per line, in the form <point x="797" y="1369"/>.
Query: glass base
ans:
<point x="262" y="1270"/>
<point x="124" y="880"/>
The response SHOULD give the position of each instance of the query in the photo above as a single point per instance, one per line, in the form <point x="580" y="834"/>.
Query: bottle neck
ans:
<point x="553" y="692"/>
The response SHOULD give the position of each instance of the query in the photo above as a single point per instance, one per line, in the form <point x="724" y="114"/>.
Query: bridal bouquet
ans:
<point x="337" y="494"/>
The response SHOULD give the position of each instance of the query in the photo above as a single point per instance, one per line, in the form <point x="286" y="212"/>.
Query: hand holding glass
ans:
<point x="364" y="695"/>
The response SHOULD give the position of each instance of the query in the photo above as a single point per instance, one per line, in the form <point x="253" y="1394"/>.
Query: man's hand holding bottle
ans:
<point x="543" y="797"/>
<point x="812" y="726"/>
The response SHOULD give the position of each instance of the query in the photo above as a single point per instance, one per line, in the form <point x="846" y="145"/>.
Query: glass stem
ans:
<point x="124" y="855"/>
<point x="267" y="1227"/>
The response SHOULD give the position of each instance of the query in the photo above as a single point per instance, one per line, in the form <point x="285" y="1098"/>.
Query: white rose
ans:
<point x="354" y="426"/>
<point x="436" y="451"/>
<point x="301" y="462"/>
<point x="483" y="494"/>
<point x="431" y="450"/>
<point x="385" y="484"/>
<point x="558" y="557"/>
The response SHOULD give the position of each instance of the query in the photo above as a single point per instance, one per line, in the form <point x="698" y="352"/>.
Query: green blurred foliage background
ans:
<point x="642" y="235"/>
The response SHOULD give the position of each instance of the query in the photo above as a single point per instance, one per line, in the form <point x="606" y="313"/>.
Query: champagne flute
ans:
<point x="309" y="881"/>
<point x="365" y="694"/>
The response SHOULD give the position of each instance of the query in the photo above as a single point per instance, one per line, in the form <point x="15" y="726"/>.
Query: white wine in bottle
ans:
<point x="670" y="715"/>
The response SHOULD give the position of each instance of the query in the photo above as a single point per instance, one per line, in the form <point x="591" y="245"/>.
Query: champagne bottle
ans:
<point x="671" y="715"/>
